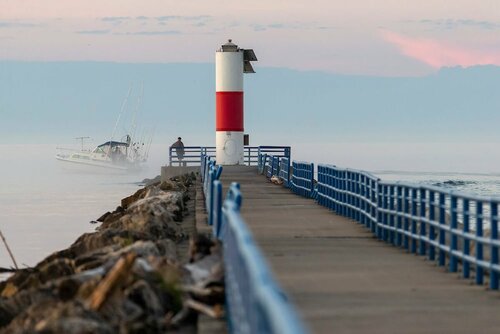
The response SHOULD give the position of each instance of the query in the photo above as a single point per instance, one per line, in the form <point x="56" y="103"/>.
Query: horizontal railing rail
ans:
<point x="262" y="163"/>
<point x="279" y="151"/>
<point x="284" y="171"/>
<point x="355" y="199"/>
<point x="272" y="166"/>
<point x="191" y="155"/>
<point x="255" y="302"/>
<point x="302" y="180"/>
<point x="443" y="225"/>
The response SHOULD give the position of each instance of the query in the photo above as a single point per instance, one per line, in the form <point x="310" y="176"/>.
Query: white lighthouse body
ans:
<point x="230" y="64"/>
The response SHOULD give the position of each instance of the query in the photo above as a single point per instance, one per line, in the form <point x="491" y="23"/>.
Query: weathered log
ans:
<point x="8" y="250"/>
<point x="107" y="285"/>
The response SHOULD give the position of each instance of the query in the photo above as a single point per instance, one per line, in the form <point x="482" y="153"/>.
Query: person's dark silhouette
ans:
<point x="179" y="150"/>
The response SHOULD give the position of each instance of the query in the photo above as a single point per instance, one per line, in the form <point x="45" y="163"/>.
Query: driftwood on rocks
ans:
<point x="8" y="250"/>
<point x="107" y="285"/>
<point x="125" y="277"/>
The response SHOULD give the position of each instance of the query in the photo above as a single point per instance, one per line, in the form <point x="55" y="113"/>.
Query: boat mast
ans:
<point x="81" y="140"/>
<point x="136" y="112"/>
<point x="121" y="113"/>
<point x="146" y="155"/>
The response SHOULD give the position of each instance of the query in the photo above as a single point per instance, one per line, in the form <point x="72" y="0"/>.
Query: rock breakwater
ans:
<point x="129" y="276"/>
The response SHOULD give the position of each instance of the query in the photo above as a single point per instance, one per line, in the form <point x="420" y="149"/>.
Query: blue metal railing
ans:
<point x="262" y="162"/>
<point x="210" y="173"/>
<point x="302" y="180"/>
<point x="256" y="304"/>
<point x="191" y="157"/>
<point x="284" y="171"/>
<point x="272" y="166"/>
<point x="443" y="225"/>
<point x="193" y="154"/>
<point x="278" y="151"/>
<point x="338" y="191"/>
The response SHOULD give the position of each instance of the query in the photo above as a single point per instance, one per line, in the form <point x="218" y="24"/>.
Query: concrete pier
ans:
<point x="343" y="280"/>
<point x="170" y="171"/>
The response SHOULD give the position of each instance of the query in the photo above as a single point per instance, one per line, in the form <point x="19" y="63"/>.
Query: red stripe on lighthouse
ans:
<point x="229" y="110"/>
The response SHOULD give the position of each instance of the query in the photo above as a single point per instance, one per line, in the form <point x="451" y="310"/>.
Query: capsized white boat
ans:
<point x="127" y="154"/>
<point x="120" y="155"/>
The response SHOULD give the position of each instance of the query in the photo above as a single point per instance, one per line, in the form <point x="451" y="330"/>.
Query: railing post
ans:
<point x="202" y="166"/>
<point x="319" y="200"/>
<point x="357" y="199"/>
<point x="362" y="199"/>
<point x="406" y="238"/>
<point x="374" y="209"/>
<point x="380" y="214"/>
<point x="350" y="197"/>
<point x="385" y="206"/>
<point x="414" y="206"/>
<point x="205" y="180"/>
<point x="399" y="236"/>
<point x="343" y="195"/>
<point x="479" y="245"/>
<point x="432" y="218"/>
<point x="466" y="264"/>
<point x="494" y="249"/>
<point x="211" y="177"/>
<point x="217" y="214"/>
<point x="442" y="224"/>
<point x="423" y="230"/>
<point x="327" y="189"/>
<point x="288" y="172"/>
<point x="334" y="189"/>
<point x="454" y="238"/>
<point x="312" y="180"/>
<point x="347" y="194"/>
<point x="392" y="225"/>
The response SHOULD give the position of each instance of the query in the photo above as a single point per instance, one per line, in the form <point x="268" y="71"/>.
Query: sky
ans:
<point x="361" y="37"/>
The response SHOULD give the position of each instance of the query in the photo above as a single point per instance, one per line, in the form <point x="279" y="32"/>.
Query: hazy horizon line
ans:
<point x="333" y="73"/>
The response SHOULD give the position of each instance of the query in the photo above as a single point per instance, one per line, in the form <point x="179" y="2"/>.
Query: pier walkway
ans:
<point x="342" y="279"/>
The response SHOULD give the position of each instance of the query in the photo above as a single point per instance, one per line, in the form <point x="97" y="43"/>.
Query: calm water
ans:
<point x="45" y="204"/>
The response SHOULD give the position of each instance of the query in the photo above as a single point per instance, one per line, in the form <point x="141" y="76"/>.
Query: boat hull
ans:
<point x="98" y="165"/>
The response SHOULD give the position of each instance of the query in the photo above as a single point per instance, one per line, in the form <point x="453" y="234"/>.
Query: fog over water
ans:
<point x="46" y="204"/>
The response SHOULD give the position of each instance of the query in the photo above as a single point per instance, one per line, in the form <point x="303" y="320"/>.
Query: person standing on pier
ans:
<point x="179" y="150"/>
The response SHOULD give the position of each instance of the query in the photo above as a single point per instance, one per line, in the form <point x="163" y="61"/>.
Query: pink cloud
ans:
<point x="438" y="54"/>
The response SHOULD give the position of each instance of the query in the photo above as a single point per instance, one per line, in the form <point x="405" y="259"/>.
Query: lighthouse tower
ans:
<point x="230" y="64"/>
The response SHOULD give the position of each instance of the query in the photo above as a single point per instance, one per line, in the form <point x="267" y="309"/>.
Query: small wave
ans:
<point x="454" y="183"/>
